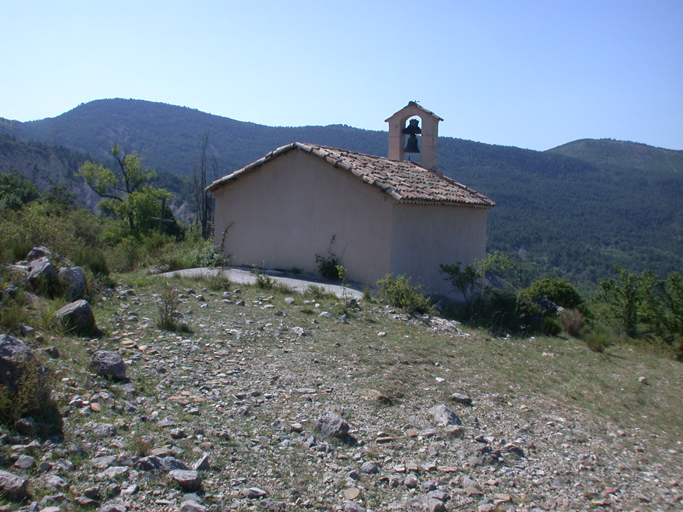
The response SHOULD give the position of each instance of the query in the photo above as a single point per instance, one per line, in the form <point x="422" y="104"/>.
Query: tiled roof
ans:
<point x="406" y="182"/>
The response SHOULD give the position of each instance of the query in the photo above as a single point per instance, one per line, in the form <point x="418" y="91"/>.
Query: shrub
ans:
<point x="125" y="256"/>
<point x="167" y="321"/>
<point x="91" y="258"/>
<point x="14" y="250"/>
<point x="316" y="292"/>
<point x="263" y="281"/>
<point x="496" y="310"/>
<point x="220" y="282"/>
<point x="599" y="338"/>
<point x="328" y="266"/>
<point x="31" y="398"/>
<point x="556" y="290"/>
<point x="399" y="293"/>
<point x="470" y="282"/>
<point x="13" y="312"/>
<point x="572" y="321"/>
<point x="551" y="326"/>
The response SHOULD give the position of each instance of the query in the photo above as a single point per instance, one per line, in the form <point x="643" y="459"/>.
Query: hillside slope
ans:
<point x="622" y="154"/>
<point x="49" y="166"/>
<point x="580" y="208"/>
<point x="437" y="418"/>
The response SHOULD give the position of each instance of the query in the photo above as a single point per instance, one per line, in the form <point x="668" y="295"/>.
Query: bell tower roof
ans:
<point x="429" y="134"/>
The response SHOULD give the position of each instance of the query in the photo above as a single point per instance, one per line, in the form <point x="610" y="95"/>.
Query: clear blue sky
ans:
<point x="533" y="74"/>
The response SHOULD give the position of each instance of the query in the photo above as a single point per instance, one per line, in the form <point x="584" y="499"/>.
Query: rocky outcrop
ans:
<point x="42" y="276"/>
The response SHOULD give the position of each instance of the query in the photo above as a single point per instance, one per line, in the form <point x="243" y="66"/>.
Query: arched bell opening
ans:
<point x="412" y="133"/>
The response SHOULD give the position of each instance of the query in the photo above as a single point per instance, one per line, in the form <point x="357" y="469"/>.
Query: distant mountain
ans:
<point x="579" y="208"/>
<point x="170" y="137"/>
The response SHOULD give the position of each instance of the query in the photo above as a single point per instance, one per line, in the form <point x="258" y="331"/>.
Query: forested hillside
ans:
<point x="576" y="210"/>
<point x="49" y="166"/>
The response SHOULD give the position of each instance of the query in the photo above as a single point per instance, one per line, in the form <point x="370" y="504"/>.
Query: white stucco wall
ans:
<point x="423" y="237"/>
<point x="285" y="213"/>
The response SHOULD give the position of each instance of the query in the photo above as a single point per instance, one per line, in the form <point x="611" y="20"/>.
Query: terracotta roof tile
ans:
<point x="406" y="182"/>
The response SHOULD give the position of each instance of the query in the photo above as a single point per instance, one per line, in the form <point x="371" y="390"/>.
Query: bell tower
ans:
<point x="406" y="148"/>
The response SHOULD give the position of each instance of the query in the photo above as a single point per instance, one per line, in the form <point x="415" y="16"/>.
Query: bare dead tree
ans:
<point x="204" y="201"/>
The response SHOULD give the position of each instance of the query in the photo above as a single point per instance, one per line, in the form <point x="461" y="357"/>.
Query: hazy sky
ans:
<point x="533" y="74"/>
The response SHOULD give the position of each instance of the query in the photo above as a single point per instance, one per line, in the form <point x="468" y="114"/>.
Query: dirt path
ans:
<point x="297" y="282"/>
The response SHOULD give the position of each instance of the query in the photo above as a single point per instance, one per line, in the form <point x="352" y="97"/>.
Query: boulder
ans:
<point x="331" y="425"/>
<point x="461" y="399"/>
<point x="72" y="283"/>
<point x="38" y="252"/>
<point x="154" y="463"/>
<point x="109" y="364"/>
<point x="444" y="416"/>
<point x="192" y="506"/>
<point x="14" y="357"/>
<point x="42" y="276"/>
<point x="77" y="316"/>
<point x="188" y="481"/>
<point x="26" y="426"/>
<point x="12" y="487"/>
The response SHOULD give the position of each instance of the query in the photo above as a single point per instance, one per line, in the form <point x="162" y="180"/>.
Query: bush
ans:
<point x="470" y="282"/>
<point x="13" y="312"/>
<point x="125" y="256"/>
<point x="328" y="266"/>
<point x="551" y="326"/>
<point x="316" y="292"/>
<point x="572" y="321"/>
<point x="14" y="250"/>
<point x="401" y="294"/>
<point x="93" y="259"/>
<point x="31" y="398"/>
<point x="599" y="338"/>
<point x="556" y="290"/>
<point x="496" y="310"/>
<point x="263" y="281"/>
<point x="167" y="321"/>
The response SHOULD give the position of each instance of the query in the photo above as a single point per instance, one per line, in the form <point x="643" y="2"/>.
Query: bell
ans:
<point x="412" y="129"/>
<point x="411" y="146"/>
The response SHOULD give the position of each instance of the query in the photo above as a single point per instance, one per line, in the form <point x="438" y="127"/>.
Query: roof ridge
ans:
<point x="404" y="181"/>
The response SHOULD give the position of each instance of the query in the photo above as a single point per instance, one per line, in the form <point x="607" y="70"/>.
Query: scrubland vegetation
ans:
<point x="633" y="310"/>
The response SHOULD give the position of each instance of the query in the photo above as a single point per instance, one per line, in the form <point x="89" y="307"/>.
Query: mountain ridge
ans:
<point x="579" y="208"/>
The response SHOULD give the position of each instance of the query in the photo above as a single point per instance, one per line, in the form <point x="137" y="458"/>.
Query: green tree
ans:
<point x="644" y="304"/>
<point x="668" y="295"/>
<point x="623" y="298"/>
<point x="126" y="191"/>
<point x="470" y="281"/>
<point x="16" y="191"/>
